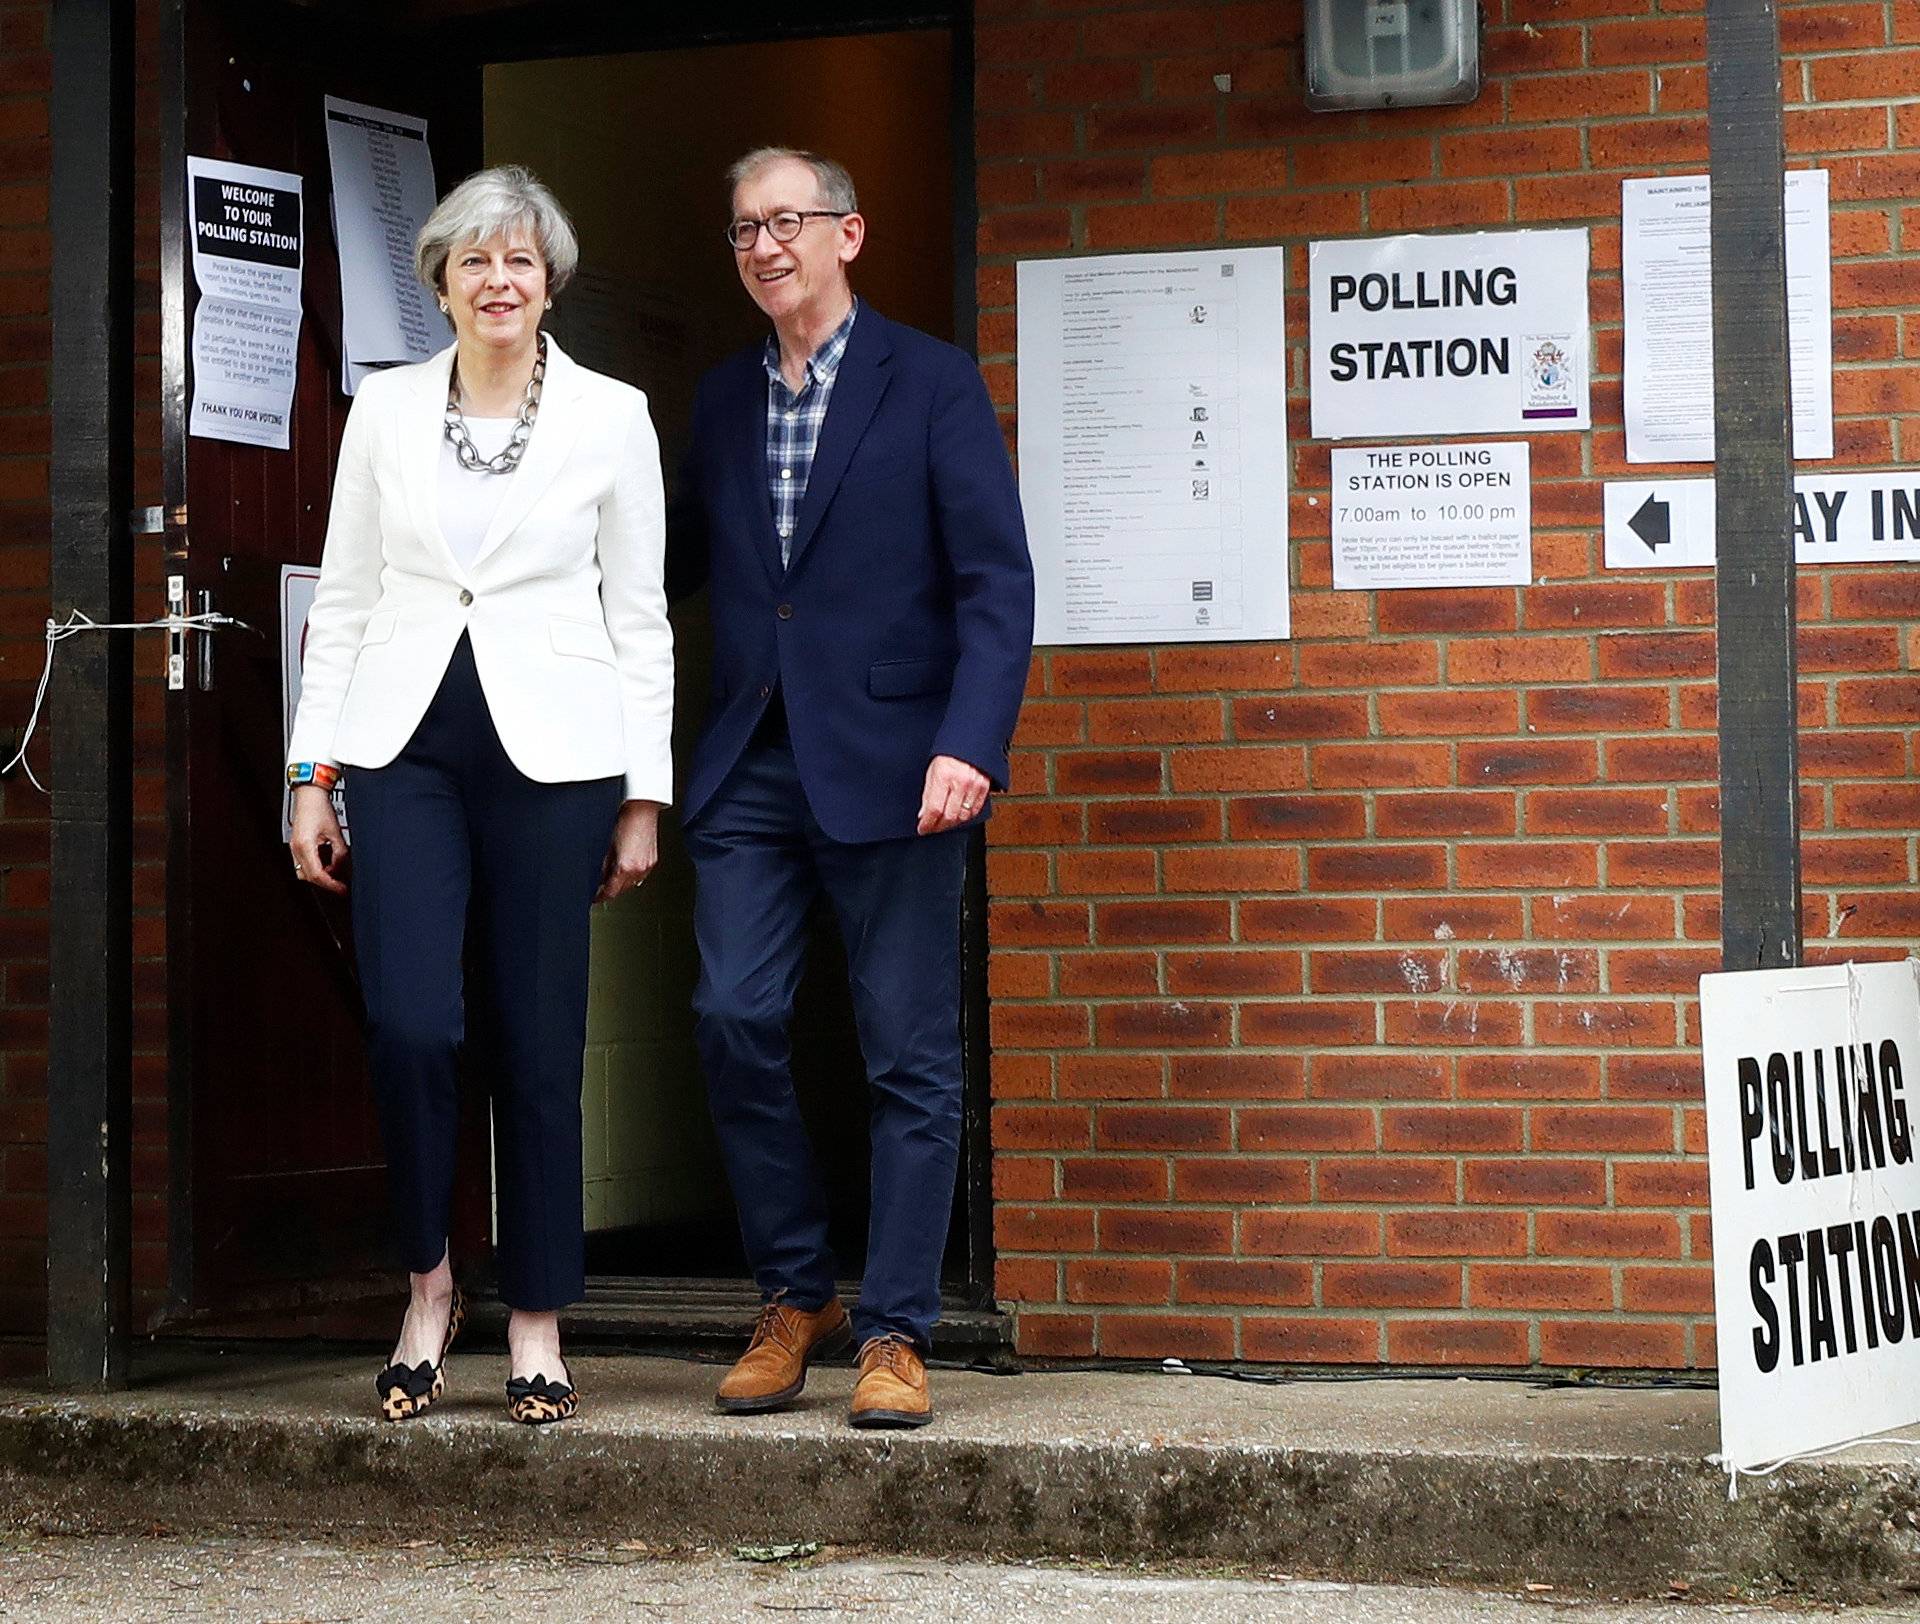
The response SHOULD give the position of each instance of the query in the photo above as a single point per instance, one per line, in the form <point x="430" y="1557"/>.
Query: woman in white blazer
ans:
<point x="489" y="666"/>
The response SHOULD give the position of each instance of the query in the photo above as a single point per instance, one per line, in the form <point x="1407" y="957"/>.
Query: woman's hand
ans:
<point x="635" y="849"/>
<point x="314" y="827"/>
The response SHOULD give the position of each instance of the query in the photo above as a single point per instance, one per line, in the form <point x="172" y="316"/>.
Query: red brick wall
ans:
<point x="25" y="585"/>
<point x="1343" y="987"/>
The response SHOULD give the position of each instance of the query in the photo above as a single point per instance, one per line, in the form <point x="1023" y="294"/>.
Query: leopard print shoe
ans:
<point x="410" y="1390"/>
<point x="535" y="1401"/>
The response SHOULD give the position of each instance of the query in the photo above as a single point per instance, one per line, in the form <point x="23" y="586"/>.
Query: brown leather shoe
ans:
<point x="773" y="1370"/>
<point x="892" y="1390"/>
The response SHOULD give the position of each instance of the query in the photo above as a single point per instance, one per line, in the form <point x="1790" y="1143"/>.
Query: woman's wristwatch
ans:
<point x="317" y="773"/>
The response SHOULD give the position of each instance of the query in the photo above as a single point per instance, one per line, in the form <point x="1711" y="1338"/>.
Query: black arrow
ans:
<point x="1653" y="524"/>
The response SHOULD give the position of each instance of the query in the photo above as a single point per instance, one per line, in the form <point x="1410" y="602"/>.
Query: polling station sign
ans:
<point x="1810" y="1082"/>
<point x="1482" y="333"/>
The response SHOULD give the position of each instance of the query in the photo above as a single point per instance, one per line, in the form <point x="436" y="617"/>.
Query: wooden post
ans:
<point x="89" y="1061"/>
<point x="1753" y="500"/>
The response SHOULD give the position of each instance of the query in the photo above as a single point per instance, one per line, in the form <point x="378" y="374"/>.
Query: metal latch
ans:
<point x="176" y="633"/>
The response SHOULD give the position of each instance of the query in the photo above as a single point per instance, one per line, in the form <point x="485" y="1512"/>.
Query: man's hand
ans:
<point x="635" y="849"/>
<point x="319" y="849"/>
<point x="955" y="794"/>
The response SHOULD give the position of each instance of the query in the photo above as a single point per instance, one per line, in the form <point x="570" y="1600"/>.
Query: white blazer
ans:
<point x="564" y="602"/>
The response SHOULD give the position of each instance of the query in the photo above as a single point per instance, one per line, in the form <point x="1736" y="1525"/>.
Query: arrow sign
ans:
<point x="1653" y="523"/>
<point x="1659" y="524"/>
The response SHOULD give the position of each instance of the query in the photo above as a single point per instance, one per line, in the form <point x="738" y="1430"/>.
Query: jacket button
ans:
<point x="766" y="690"/>
<point x="466" y="597"/>
<point x="785" y="611"/>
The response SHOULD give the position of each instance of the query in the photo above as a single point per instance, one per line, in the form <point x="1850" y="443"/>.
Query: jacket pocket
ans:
<point x="900" y="679"/>
<point x="881" y="470"/>
<point x="380" y="626"/>
<point x="584" y="639"/>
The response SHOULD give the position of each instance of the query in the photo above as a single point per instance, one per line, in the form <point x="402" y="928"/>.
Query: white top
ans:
<point x="469" y="500"/>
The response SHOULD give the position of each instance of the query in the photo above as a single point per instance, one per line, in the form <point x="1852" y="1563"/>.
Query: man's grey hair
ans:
<point x="836" y="185"/>
<point x="494" y="203"/>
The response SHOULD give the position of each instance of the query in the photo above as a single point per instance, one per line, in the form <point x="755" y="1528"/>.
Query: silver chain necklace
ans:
<point x="462" y="441"/>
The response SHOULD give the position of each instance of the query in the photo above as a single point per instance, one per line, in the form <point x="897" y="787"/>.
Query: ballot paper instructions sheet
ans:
<point x="248" y="253"/>
<point x="1667" y="270"/>
<point x="382" y="194"/>
<point x="1153" y="445"/>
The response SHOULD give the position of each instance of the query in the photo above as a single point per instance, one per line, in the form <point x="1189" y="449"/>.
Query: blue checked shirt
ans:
<point x="793" y="426"/>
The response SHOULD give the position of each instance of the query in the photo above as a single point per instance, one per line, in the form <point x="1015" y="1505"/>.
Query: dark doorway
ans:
<point x="276" y="1168"/>
<point x="636" y="145"/>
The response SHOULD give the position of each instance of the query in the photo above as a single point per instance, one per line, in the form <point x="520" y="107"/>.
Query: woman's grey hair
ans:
<point x="495" y="203"/>
<point x="836" y="185"/>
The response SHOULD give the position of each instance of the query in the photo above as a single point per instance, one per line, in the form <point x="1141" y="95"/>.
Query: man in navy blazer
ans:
<point x="849" y="497"/>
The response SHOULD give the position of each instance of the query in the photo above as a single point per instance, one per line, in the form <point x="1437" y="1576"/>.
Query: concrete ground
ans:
<point x="70" y="1580"/>
<point x="1600" y="1490"/>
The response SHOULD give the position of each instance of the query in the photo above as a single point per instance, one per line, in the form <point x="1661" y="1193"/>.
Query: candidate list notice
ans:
<point x="1153" y="445"/>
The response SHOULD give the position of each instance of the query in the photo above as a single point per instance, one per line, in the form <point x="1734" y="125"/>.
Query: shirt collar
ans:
<point x="824" y="362"/>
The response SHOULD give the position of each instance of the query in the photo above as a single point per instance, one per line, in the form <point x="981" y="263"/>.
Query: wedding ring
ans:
<point x="298" y="869"/>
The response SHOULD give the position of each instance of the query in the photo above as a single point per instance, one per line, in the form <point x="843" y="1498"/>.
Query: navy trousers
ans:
<point x="760" y="861"/>
<point x="448" y="828"/>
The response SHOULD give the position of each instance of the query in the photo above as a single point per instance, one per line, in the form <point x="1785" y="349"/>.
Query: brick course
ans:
<point x="1414" y="903"/>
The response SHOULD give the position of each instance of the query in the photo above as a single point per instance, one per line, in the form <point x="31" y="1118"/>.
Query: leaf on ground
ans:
<point x="776" y="1553"/>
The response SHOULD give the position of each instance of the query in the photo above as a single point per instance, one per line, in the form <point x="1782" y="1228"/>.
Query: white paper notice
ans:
<point x="1153" y="445"/>
<point x="247" y="257"/>
<point x="1659" y="524"/>
<point x="1451" y="515"/>
<point x="382" y="194"/>
<point x="1667" y="270"/>
<point x="1481" y="333"/>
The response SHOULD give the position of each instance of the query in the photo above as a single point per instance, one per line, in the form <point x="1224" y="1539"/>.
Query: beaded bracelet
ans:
<point x="317" y="773"/>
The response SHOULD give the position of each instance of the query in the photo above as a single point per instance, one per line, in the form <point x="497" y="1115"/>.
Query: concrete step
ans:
<point x="1496" y="1482"/>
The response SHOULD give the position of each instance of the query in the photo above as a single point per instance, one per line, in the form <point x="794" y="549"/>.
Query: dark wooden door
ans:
<point x="278" y="1183"/>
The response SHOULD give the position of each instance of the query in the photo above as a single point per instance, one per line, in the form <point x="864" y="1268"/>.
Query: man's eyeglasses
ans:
<point x="781" y="227"/>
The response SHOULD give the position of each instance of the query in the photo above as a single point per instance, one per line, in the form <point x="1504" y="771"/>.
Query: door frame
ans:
<point x="521" y="30"/>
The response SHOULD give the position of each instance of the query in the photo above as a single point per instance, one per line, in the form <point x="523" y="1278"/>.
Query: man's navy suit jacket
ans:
<point x="902" y="627"/>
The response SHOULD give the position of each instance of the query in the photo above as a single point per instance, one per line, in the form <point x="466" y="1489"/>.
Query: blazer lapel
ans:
<point x="421" y="427"/>
<point x="750" y="466"/>
<point x="554" y="432"/>
<point x="862" y="380"/>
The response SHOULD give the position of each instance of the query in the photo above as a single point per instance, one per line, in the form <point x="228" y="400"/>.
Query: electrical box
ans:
<point x="1392" y="53"/>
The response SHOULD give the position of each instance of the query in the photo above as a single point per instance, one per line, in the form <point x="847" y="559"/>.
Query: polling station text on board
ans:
<point x="1484" y="333"/>
<point x="1815" y="1187"/>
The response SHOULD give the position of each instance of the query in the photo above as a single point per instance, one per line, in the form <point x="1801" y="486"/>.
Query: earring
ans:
<point x="549" y="304"/>
<point x="444" y="307"/>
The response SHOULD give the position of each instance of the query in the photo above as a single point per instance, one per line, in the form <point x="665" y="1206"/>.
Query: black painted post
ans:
<point x="1753" y="472"/>
<point x="89" y="1081"/>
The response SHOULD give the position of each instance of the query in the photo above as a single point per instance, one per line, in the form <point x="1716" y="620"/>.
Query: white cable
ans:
<point x="1735" y="1473"/>
<point x="73" y="626"/>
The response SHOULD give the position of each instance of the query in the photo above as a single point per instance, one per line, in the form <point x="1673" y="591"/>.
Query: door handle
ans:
<point x="205" y="672"/>
<point x="177" y="623"/>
